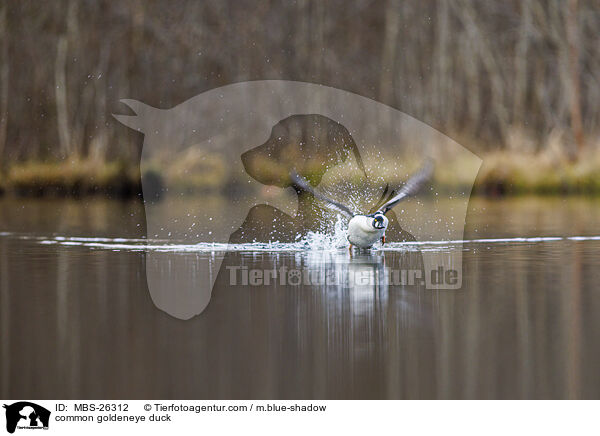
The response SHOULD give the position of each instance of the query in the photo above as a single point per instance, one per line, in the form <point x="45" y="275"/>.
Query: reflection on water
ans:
<point x="77" y="320"/>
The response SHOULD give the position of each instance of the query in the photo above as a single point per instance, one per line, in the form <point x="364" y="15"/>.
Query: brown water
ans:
<point x="77" y="321"/>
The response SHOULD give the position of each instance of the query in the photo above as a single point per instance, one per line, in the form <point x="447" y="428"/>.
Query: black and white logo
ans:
<point x="26" y="415"/>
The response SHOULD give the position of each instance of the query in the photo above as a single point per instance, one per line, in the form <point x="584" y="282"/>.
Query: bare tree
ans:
<point x="4" y="76"/>
<point x="521" y="61"/>
<point x="575" y="86"/>
<point x="388" y="57"/>
<point x="475" y="69"/>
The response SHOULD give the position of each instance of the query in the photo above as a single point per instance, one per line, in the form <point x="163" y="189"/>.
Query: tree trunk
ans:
<point x="4" y="76"/>
<point x="575" y="94"/>
<point x="520" y="91"/>
<point x="388" y="58"/>
<point x="60" y="81"/>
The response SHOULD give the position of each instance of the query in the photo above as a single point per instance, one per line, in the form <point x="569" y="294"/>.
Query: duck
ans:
<point x="364" y="230"/>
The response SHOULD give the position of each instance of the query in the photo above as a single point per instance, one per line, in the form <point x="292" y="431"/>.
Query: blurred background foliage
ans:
<point x="517" y="82"/>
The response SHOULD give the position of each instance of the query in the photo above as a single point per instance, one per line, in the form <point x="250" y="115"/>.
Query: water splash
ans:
<point x="326" y="241"/>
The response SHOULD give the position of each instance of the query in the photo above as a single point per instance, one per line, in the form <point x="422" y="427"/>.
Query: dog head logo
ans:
<point x="26" y="415"/>
<point x="243" y="140"/>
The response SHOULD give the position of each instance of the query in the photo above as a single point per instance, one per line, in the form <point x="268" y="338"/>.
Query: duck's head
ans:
<point x="380" y="221"/>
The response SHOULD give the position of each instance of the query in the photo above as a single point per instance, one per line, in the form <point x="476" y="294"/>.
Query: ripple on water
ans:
<point x="313" y="241"/>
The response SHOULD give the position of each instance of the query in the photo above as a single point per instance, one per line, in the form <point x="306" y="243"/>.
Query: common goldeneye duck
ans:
<point x="365" y="230"/>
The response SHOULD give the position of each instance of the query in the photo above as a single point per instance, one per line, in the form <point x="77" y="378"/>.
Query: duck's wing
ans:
<point x="411" y="187"/>
<point x="386" y="195"/>
<point x="303" y="183"/>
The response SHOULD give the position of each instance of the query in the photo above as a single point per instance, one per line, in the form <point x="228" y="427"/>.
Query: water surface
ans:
<point x="77" y="320"/>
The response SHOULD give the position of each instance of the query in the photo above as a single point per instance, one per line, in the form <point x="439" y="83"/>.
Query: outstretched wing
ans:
<point x="411" y="187"/>
<point x="386" y="195"/>
<point x="303" y="183"/>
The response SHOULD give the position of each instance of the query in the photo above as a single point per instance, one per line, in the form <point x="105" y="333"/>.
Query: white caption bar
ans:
<point x="299" y="417"/>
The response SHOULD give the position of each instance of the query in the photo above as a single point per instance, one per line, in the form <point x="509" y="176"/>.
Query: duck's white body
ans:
<point x="364" y="231"/>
